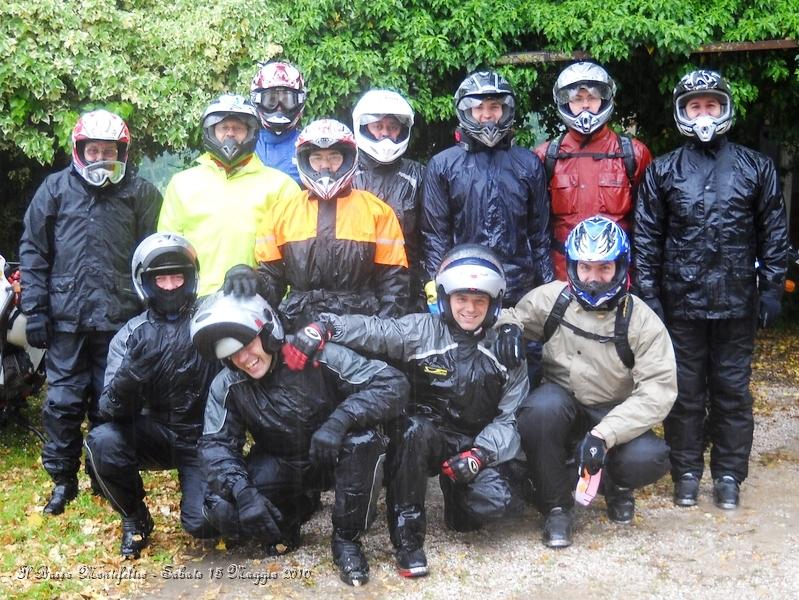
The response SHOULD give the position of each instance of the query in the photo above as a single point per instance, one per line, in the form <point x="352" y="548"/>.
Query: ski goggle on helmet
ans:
<point x="165" y="254"/>
<point x="703" y="83"/>
<point x="102" y="127"/>
<point x="371" y="108"/>
<point x="598" y="240"/>
<point x="278" y="93"/>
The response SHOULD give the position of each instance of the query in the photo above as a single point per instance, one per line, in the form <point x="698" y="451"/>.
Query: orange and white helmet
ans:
<point x="100" y="125"/>
<point x="327" y="134"/>
<point x="278" y="93"/>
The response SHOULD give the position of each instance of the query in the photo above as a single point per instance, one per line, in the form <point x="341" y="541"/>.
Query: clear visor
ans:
<point x="469" y="102"/>
<point x="101" y="171"/>
<point x="367" y="119"/>
<point x="597" y="90"/>
<point x="271" y="99"/>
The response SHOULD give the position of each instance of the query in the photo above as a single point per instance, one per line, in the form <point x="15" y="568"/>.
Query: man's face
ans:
<point x="100" y="150"/>
<point x="490" y="109"/>
<point x="387" y="127"/>
<point x="469" y="309"/>
<point x="170" y="282"/>
<point x="231" y="127"/>
<point x="326" y="159"/>
<point x="253" y="359"/>
<point x="703" y="105"/>
<point x="600" y="272"/>
<point x="584" y="100"/>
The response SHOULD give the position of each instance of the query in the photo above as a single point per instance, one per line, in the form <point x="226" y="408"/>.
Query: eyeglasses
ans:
<point x="272" y="98"/>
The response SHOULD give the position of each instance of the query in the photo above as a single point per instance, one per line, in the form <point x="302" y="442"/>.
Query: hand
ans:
<point x="307" y="342"/>
<point x="509" y="346"/>
<point x="590" y="454"/>
<point x="241" y="281"/>
<point x="326" y="442"/>
<point x="464" y="467"/>
<point x="258" y="515"/>
<point x="135" y="369"/>
<point x="654" y="303"/>
<point x="769" y="309"/>
<point x="38" y="330"/>
<point x="431" y="294"/>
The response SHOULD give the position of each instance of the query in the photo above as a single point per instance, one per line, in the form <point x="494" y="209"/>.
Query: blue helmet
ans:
<point x="598" y="239"/>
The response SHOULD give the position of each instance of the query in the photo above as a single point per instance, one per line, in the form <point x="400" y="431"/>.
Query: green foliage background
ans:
<point x="158" y="64"/>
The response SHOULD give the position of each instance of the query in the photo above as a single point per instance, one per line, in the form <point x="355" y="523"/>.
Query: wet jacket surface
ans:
<point x="456" y="380"/>
<point x="176" y="390"/>
<point x="278" y="152"/>
<point x="219" y="212"/>
<point x="638" y="398"/>
<point x="583" y="186"/>
<point x="284" y="409"/>
<point x="346" y="254"/>
<point x="704" y="214"/>
<point x="491" y="196"/>
<point x="76" y="249"/>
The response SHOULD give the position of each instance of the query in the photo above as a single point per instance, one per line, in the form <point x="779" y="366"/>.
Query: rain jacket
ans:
<point x="278" y="151"/>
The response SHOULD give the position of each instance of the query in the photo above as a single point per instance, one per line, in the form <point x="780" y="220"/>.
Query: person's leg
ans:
<point x="488" y="497"/>
<point x="193" y="487"/>
<point x="731" y="418"/>
<point x="684" y="427"/>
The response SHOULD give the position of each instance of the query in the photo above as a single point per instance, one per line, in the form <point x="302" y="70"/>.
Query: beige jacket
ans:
<point x="641" y="397"/>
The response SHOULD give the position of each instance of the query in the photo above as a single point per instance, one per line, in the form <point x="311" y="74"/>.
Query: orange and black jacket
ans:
<point x="345" y="255"/>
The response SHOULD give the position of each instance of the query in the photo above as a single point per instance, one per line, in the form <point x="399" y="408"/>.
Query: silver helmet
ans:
<point x="596" y="80"/>
<point x="703" y="83"/>
<point x="229" y="151"/>
<point x="165" y="254"/>
<point x="473" y="90"/>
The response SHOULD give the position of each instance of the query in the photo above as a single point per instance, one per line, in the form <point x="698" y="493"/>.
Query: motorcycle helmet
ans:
<point x="278" y="93"/>
<point x="327" y="134"/>
<point x="165" y="254"/>
<point x="229" y="151"/>
<point x="471" y="268"/>
<point x="598" y="239"/>
<point x="100" y="125"/>
<point x="224" y="324"/>
<point x="702" y="83"/>
<point x="471" y="92"/>
<point x="596" y="80"/>
<point x="373" y="106"/>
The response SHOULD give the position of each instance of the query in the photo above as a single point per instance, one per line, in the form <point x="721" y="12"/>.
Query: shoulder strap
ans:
<point x="552" y="156"/>
<point x="620" y="330"/>
<point x="628" y="155"/>
<point x="555" y="317"/>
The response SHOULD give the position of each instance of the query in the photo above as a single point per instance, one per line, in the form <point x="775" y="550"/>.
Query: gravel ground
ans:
<point x="666" y="552"/>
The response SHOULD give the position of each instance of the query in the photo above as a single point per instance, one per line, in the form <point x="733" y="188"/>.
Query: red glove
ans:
<point x="464" y="467"/>
<point x="306" y="344"/>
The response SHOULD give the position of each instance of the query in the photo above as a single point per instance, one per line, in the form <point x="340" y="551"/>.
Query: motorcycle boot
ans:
<point x="686" y="490"/>
<point x="64" y="491"/>
<point x="725" y="492"/>
<point x="136" y="530"/>
<point x="407" y="527"/>
<point x="620" y="503"/>
<point x="348" y="556"/>
<point x="558" y="528"/>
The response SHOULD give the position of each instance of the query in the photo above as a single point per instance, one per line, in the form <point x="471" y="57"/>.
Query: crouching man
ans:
<point x="609" y="376"/>
<point x="312" y="430"/>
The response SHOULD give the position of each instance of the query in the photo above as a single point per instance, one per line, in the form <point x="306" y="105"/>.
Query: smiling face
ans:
<point x="253" y="359"/>
<point x="703" y="105"/>
<point x="489" y="109"/>
<point x="469" y="309"/>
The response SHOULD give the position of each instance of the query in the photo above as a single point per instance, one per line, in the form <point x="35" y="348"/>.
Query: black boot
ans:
<point x="64" y="491"/>
<point x="348" y="556"/>
<point x="136" y="531"/>
<point x="407" y="529"/>
<point x="686" y="490"/>
<point x="725" y="492"/>
<point x="558" y="528"/>
<point x="620" y="504"/>
<point x="411" y="562"/>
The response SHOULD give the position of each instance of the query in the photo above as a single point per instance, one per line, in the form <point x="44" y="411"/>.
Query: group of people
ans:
<point x="485" y="319"/>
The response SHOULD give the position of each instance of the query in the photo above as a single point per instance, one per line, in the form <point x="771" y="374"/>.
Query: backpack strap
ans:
<point x="624" y="312"/>
<point x="555" y="317"/>
<point x="628" y="155"/>
<point x="552" y="155"/>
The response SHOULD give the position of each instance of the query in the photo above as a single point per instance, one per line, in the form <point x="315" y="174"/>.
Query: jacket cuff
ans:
<point x="606" y="432"/>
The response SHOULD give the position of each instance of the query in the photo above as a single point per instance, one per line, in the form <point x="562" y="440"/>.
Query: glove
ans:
<point x="135" y="369"/>
<point x="241" y="281"/>
<point x="653" y="302"/>
<point x="326" y="442"/>
<point x="432" y="297"/>
<point x="257" y="515"/>
<point x="38" y="330"/>
<point x="769" y="309"/>
<point x="590" y="454"/>
<point x="464" y="467"/>
<point x="509" y="346"/>
<point x="307" y="342"/>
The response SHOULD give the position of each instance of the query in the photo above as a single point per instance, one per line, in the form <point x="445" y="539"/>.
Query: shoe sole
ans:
<point x="620" y="521"/>
<point x="413" y="572"/>
<point x="558" y="543"/>
<point x="685" y="501"/>
<point x="726" y="505"/>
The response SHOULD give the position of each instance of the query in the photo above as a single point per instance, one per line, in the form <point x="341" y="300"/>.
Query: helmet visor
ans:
<point x="596" y="89"/>
<point x="469" y="102"/>
<point x="271" y="99"/>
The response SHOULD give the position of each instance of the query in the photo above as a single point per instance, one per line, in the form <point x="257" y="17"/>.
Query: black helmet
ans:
<point x="224" y="324"/>
<point x="165" y="254"/>
<point x="701" y="83"/>
<point x="471" y="268"/>
<point x="471" y="92"/>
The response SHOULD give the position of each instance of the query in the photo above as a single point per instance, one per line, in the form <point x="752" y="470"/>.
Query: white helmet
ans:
<point x="592" y="77"/>
<point x="100" y="125"/>
<point x="373" y="106"/>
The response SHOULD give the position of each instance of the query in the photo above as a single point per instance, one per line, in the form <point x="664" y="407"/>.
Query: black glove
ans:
<point x="464" y="467"/>
<point x="509" y="346"/>
<point x="257" y="515"/>
<point x="590" y="454"/>
<point x="653" y="302"/>
<point x="326" y="442"/>
<point x="136" y="369"/>
<point x="769" y="309"/>
<point x="305" y="344"/>
<point x="38" y="330"/>
<point x="241" y="281"/>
